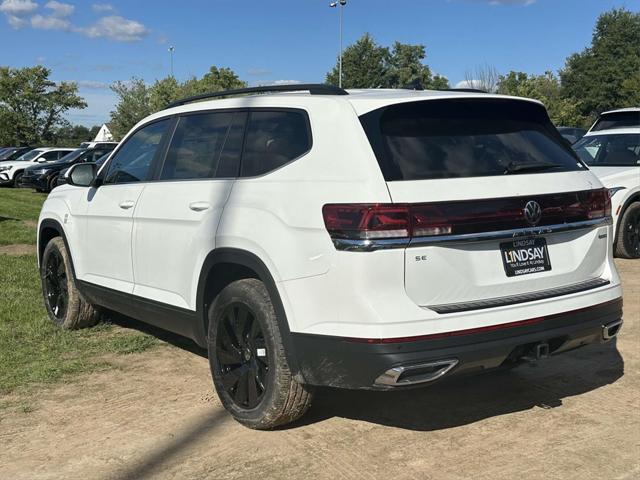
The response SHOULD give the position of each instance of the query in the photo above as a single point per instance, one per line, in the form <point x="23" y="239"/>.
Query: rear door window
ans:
<point x="197" y="145"/>
<point x="465" y="138"/>
<point x="609" y="150"/>
<point x="273" y="139"/>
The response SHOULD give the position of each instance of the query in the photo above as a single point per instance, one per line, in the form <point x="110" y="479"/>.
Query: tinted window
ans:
<point x="196" y="146"/>
<point x="52" y="155"/>
<point x="609" y="150"/>
<point x="617" y="120"/>
<point x="465" y="138"/>
<point x="273" y="139"/>
<point x="229" y="163"/>
<point x="132" y="162"/>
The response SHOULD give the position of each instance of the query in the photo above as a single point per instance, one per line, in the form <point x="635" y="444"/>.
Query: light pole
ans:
<point x="339" y="5"/>
<point x="171" y="49"/>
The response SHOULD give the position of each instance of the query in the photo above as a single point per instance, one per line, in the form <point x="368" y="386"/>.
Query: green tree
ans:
<point x="32" y="106"/>
<point x="365" y="64"/>
<point x="545" y="88"/>
<point x="606" y="74"/>
<point x="163" y="92"/>
<point x="133" y="105"/>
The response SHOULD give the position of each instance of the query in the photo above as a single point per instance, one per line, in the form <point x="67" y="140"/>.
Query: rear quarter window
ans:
<point x="617" y="120"/>
<point x="273" y="139"/>
<point x="465" y="138"/>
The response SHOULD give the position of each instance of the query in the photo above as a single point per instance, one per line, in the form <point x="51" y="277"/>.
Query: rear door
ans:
<point x="177" y="215"/>
<point x="485" y="177"/>
<point x="107" y="221"/>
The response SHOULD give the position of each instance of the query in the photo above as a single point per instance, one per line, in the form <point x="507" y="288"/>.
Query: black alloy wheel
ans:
<point x="632" y="233"/>
<point x="55" y="285"/>
<point x="242" y="356"/>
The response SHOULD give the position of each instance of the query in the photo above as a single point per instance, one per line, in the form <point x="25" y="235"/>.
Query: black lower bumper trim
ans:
<point x="339" y="362"/>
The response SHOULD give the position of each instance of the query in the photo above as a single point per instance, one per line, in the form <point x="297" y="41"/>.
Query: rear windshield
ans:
<point x="465" y="138"/>
<point x="617" y="120"/>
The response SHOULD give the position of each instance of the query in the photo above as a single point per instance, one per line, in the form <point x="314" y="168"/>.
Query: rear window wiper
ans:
<point x="513" y="167"/>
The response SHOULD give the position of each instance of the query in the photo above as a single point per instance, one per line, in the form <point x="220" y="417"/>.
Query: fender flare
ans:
<point x="54" y="225"/>
<point x="253" y="262"/>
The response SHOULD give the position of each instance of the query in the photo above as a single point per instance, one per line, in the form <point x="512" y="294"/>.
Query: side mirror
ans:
<point x="82" y="174"/>
<point x="42" y="160"/>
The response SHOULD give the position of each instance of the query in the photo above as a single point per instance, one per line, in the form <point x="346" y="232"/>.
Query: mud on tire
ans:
<point x="64" y="303"/>
<point x="247" y="359"/>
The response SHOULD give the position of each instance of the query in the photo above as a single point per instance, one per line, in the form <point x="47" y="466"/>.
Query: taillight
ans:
<point x="363" y="221"/>
<point x="357" y="221"/>
<point x="598" y="203"/>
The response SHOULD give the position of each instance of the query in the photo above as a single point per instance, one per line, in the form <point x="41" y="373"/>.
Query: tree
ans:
<point x="405" y="68"/>
<point x="545" y="88"/>
<point x="133" y="105"/>
<point x="606" y="75"/>
<point x="32" y="106"/>
<point x="485" y="77"/>
<point x="365" y="64"/>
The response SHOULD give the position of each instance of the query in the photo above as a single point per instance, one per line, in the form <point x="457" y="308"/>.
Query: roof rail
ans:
<point x="312" y="88"/>
<point x="468" y="90"/>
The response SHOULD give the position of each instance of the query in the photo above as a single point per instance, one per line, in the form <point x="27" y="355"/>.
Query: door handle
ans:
<point x="199" y="206"/>
<point x="127" y="204"/>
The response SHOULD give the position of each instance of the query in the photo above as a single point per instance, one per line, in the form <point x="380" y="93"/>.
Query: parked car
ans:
<point x="62" y="177"/>
<point x="44" y="177"/>
<point x="621" y="118"/>
<point x="111" y="145"/>
<point x="572" y="134"/>
<point x="614" y="156"/>
<point x="12" y="153"/>
<point x="369" y="239"/>
<point x="11" y="172"/>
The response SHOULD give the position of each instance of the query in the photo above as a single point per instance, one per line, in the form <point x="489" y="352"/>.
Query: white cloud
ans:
<point x="469" y="84"/>
<point x="103" y="7"/>
<point x="116" y="28"/>
<point x="512" y="2"/>
<point x="42" y="22"/>
<point x="258" y="71"/>
<point x="16" y="11"/>
<point x="59" y="9"/>
<point x="285" y="82"/>
<point x="19" y="8"/>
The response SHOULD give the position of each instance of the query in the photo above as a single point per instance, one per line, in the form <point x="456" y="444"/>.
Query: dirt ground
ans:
<point x="576" y="416"/>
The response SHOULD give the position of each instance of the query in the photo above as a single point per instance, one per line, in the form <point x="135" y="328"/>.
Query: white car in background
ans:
<point x="614" y="156"/>
<point x="614" y="119"/>
<point x="11" y="172"/>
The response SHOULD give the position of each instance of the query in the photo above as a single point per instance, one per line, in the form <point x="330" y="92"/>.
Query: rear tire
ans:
<point x="248" y="364"/>
<point x="65" y="305"/>
<point x="628" y="243"/>
<point x="53" y="183"/>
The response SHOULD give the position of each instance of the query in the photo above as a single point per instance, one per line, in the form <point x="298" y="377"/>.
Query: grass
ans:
<point x="19" y="210"/>
<point x="33" y="350"/>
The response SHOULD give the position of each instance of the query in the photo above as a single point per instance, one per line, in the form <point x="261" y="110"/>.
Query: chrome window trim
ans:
<point x="371" y="245"/>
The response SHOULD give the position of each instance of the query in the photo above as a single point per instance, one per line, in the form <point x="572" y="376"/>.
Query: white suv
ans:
<point x="11" y="172"/>
<point x="370" y="239"/>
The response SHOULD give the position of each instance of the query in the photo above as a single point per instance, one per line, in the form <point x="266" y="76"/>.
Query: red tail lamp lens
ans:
<point x="366" y="221"/>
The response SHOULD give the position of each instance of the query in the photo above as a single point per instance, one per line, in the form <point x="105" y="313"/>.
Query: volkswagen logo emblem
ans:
<point x="532" y="212"/>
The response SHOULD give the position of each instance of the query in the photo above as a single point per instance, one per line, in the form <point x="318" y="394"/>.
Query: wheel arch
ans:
<point x="48" y="230"/>
<point x="225" y="265"/>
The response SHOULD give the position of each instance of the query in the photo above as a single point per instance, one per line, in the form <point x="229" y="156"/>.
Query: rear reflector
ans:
<point x="402" y="220"/>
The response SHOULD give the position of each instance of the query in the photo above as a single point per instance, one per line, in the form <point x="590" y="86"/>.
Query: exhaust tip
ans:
<point x="414" y="374"/>
<point x="611" y="330"/>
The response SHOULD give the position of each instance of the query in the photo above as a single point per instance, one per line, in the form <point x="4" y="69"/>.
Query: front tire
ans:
<point x="65" y="305"/>
<point x="16" y="179"/>
<point x="248" y="364"/>
<point x="53" y="183"/>
<point x="628" y="243"/>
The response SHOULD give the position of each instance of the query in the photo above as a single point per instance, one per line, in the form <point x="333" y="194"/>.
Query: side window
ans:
<point x="273" y="139"/>
<point x="132" y="162"/>
<point x="196" y="146"/>
<point x="229" y="164"/>
<point x="48" y="156"/>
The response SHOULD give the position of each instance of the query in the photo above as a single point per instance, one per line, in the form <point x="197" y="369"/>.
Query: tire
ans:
<point x="65" y="305"/>
<point x="16" y="179"/>
<point x="245" y="345"/>
<point x="53" y="183"/>
<point x="628" y="237"/>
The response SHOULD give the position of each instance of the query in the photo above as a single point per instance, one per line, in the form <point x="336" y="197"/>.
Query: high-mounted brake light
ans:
<point x="404" y="221"/>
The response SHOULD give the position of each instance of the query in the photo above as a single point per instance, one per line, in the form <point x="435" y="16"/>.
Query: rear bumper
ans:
<point x="362" y="364"/>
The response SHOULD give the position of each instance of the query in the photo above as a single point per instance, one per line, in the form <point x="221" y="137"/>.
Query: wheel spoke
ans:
<point x="229" y="356"/>
<point x="242" y="395"/>
<point x="229" y="332"/>
<point x="231" y="377"/>
<point x="241" y="324"/>
<point x="252" y="388"/>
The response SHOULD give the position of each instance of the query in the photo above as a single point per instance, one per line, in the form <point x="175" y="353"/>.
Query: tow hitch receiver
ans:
<point x="540" y="350"/>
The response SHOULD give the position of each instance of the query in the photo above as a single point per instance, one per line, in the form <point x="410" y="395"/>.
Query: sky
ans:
<point x="280" y="41"/>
